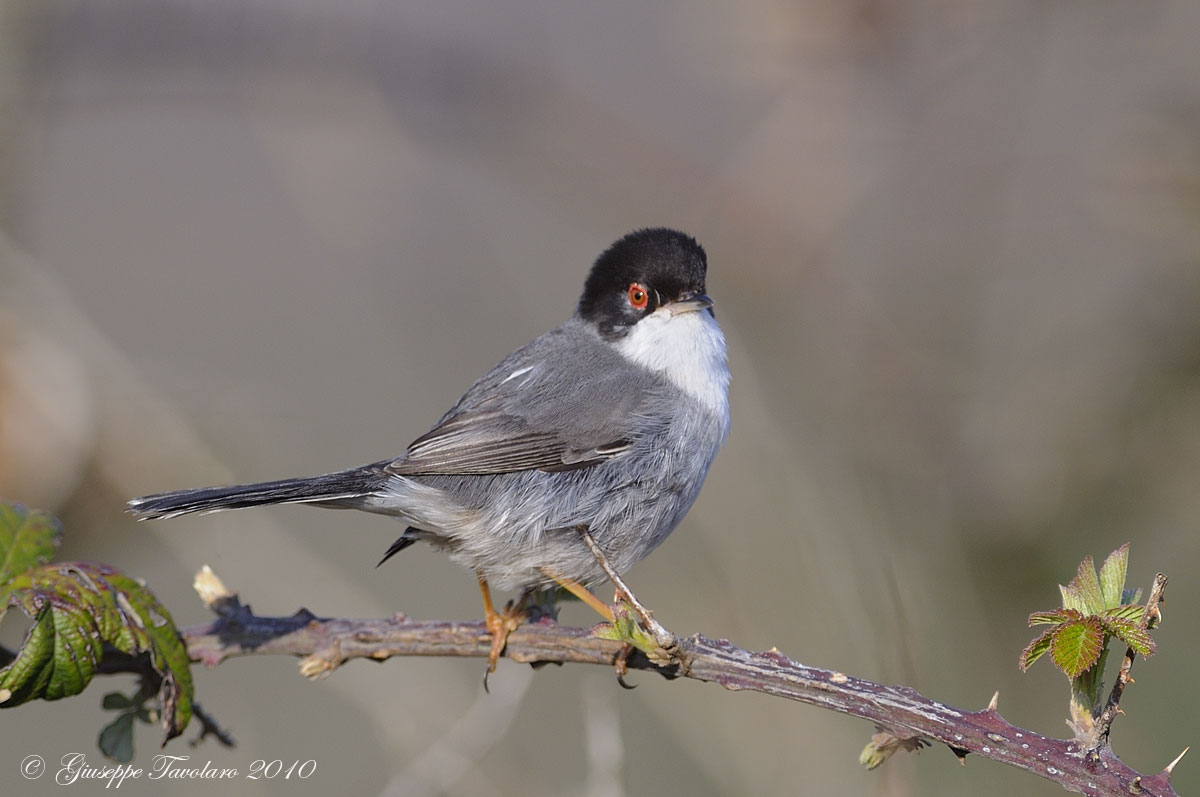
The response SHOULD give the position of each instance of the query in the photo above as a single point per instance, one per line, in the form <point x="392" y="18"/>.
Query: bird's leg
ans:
<point x="583" y="593"/>
<point x="662" y="637"/>
<point x="651" y="638"/>
<point x="499" y="624"/>
<point x="622" y="628"/>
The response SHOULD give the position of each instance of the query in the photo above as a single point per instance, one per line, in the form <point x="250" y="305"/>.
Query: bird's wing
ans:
<point x="492" y="441"/>
<point x="524" y="415"/>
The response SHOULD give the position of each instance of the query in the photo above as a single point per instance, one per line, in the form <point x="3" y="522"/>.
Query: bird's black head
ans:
<point x="640" y="273"/>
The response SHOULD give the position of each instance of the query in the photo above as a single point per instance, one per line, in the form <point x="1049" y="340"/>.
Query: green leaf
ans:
<point x="1084" y="589"/>
<point x="77" y="609"/>
<point x="1127" y="611"/>
<point x="1034" y="650"/>
<point x="885" y="744"/>
<point x="114" y="701"/>
<point x="32" y="665"/>
<point x="116" y="738"/>
<point x="625" y="628"/>
<point x="168" y="653"/>
<point x="1072" y="599"/>
<point x="1112" y="576"/>
<point x="1054" y="616"/>
<point x="1076" y="646"/>
<point x="1131" y="633"/>
<point x="1131" y="595"/>
<point x="27" y="539"/>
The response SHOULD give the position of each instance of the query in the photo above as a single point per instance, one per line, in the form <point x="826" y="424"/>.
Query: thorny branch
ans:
<point x="1150" y="618"/>
<point x="901" y="712"/>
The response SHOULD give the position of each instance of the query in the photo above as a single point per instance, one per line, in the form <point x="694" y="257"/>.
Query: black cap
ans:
<point x="667" y="264"/>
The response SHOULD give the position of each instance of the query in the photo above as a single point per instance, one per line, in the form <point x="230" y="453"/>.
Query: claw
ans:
<point x="621" y="665"/>
<point x="499" y="626"/>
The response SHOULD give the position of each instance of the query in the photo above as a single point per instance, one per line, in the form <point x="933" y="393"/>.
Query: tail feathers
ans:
<point x="330" y="488"/>
<point x="410" y="536"/>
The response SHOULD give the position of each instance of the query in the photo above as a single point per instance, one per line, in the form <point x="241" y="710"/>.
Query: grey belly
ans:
<point x="513" y="527"/>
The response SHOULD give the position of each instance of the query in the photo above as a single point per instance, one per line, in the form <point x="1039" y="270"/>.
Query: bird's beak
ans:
<point x="689" y="303"/>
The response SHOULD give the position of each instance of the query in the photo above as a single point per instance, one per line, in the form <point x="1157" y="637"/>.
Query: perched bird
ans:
<point x="580" y="450"/>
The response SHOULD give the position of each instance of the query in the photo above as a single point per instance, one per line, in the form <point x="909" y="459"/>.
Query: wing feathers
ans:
<point x="483" y="449"/>
<point x="524" y="415"/>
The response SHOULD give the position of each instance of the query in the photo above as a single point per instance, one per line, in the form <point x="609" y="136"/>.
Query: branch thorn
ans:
<point x="1171" y="766"/>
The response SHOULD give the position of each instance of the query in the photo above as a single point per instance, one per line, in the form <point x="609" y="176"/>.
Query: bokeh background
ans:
<point x="954" y="244"/>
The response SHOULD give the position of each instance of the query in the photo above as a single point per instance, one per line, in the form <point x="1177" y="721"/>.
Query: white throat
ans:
<point x="688" y="348"/>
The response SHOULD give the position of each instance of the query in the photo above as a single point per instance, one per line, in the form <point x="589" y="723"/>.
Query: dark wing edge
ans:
<point x="492" y="442"/>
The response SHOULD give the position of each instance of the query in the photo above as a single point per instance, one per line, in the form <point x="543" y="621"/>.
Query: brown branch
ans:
<point x="902" y="713"/>
<point x="1151" y="616"/>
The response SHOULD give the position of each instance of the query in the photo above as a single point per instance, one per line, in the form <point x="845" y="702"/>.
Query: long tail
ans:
<point x="332" y="489"/>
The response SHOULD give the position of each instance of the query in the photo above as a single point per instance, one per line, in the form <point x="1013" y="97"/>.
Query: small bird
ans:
<point x="569" y="461"/>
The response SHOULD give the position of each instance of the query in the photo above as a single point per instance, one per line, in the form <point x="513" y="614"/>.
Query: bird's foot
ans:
<point x="659" y="644"/>
<point x="500" y="625"/>
<point x="621" y="665"/>
<point x="650" y="636"/>
<point x="663" y="638"/>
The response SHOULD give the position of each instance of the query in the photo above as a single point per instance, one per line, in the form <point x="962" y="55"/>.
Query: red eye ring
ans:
<point x="639" y="297"/>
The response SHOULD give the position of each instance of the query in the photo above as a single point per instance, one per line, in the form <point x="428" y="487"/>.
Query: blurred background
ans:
<point x="954" y="245"/>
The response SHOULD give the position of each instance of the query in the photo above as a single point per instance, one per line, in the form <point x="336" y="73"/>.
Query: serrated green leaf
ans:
<point x="1130" y="611"/>
<point x="1076" y="646"/>
<point x="1072" y="600"/>
<point x="1054" y="616"/>
<point x="78" y="607"/>
<point x="1087" y="586"/>
<point x="116" y="738"/>
<point x="27" y="674"/>
<point x="27" y="539"/>
<point x="1112" y="576"/>
<point x="1131" y="595"/>
<point x="1131" y="633"/>
<point x="1034" y="650"/>
<point x="167" y="651"/>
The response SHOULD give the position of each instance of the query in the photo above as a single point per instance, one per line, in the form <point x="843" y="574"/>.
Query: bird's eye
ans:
<point x="638" y="297"/>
